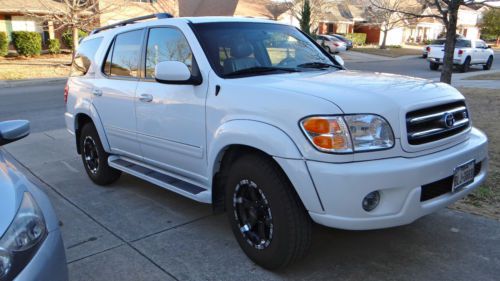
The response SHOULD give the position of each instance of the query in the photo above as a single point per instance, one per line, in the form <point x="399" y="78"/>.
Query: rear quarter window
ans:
<point x="84" y="57"/>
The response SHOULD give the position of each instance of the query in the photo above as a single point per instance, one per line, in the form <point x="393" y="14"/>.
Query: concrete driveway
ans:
<point x="134" y="230"/>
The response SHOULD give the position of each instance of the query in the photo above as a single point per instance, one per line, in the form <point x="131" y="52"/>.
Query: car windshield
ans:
<point x="245" y="49"/>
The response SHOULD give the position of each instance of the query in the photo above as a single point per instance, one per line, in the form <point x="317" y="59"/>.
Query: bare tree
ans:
<point x="275" y="9"/>
<point x="387" y="17"/>
<point x="318" y="8"/>
<point x="447" y="12"/>
<point x="74" y="14"/>
<point x="159" y="6"/>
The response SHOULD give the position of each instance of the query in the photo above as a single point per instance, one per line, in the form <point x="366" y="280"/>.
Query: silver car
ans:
<point x="31" y="246"/>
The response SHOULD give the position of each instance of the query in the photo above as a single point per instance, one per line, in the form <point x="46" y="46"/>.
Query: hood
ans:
<point x="11" y="191"/>
<point x="387" y="95"/>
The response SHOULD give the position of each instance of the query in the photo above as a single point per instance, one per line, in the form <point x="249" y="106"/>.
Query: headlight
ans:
<point x="22" y="238"/>
<point x="348" y="133"/>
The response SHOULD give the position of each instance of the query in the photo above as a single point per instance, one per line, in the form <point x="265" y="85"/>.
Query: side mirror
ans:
<point x="488" y="46"/>
<point x="339" y="60"/>
<point x="11" y="131"/>
<point x="175" y="72"/>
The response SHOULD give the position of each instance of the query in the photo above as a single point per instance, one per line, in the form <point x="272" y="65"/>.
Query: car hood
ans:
<point x="388" y="95"/>
<point x="11" y="190"/>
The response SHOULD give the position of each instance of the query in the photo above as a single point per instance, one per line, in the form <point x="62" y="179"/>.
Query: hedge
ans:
<point x="67" y="37"/>
<point x="53" y="46"/>
<point x="4" y="44"/>
<point x="357" y="38"/>
<point x="27" y="43"/>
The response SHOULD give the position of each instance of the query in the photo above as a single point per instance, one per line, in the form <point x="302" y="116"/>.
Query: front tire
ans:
<point x="266" y="215"/>
<point x="488" y="64"/>
<point x="95" y="159"/>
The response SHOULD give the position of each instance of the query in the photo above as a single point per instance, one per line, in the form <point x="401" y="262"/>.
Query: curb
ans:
<point x="30" y="82"/>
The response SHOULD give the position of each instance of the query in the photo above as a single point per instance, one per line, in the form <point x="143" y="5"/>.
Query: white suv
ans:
<point x="257" y="119"/>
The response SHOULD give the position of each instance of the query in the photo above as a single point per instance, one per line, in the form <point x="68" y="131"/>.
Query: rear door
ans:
<point x="114" y="92"/>
<point x="482" y="51"/>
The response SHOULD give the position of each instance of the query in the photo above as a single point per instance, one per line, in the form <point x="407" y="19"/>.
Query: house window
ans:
<point x="330" y="28"/>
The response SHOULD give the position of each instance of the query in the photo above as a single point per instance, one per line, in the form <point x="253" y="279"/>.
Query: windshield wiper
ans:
<point x="318" y="64"/>
<point x="261" y="69"/>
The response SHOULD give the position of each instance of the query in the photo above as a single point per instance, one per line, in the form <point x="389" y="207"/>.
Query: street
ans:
<point x="133" y="230"/>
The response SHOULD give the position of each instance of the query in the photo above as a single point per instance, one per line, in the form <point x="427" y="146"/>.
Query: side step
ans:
<point x="155" y="176"/>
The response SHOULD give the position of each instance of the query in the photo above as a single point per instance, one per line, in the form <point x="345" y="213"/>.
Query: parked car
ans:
<point x="427" y="48"/>
<point x="467" y="53"/>
<point x="31" y="247"/>
<point x="278" y="135"/>
<point x="331" y="44"/>
<point x="348" y="42"/>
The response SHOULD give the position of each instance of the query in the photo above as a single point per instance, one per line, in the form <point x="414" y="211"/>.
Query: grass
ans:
<point x="487" y="76"/>
<point x="389" y="52"/>
<point x="44" y="66"/>
<point x="484" y="104"/>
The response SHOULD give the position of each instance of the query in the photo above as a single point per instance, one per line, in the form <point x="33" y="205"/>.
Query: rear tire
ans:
<point x="465" y="66"/>
<point x="488" y="64"/>
<point x="95" y="159"/>
<point x="433" y="66"/>
<point x="266" y="215"/>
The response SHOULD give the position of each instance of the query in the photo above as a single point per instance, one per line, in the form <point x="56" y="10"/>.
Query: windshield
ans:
<point x="242" y="48"/>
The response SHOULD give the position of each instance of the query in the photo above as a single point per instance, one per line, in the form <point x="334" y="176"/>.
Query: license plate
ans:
<point x="463" y="175"/>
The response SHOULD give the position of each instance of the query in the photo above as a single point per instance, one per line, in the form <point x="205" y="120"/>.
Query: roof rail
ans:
<point x="131" y="21"/>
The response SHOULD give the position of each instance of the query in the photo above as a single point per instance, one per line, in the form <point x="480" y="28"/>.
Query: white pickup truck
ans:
<point x="254" y="117"/>
<point x="467" y="53"/>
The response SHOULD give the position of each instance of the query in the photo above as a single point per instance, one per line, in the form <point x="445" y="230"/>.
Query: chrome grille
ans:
<point x="437" y="122"/>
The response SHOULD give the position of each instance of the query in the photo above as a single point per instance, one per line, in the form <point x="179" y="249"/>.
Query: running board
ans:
<point x="162" y="179"/>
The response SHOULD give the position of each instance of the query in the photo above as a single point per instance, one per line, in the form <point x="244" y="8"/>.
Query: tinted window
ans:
<point x="463" y="43"/>
<point x="84" y="57"/>
<point x="166" y="44"/>
<point x="124" y="55"/>
<point x="438" y="42"/>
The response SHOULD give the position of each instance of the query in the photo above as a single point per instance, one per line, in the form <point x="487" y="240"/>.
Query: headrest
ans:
<point x="241" y="50"/>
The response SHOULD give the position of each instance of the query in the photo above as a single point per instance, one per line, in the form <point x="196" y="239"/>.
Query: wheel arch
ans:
<point x="232" y="140"/>
<point x="90" y="116"/>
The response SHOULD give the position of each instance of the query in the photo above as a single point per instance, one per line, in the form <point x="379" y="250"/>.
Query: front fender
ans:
<point x="256" y="134"/>
<point x="274" y="142"/>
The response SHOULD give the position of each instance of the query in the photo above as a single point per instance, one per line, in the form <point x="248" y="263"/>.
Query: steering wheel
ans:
<point x="289" y="61"/>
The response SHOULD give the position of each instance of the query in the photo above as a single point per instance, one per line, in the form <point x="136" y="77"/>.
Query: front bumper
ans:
<point x="342" y="187"/>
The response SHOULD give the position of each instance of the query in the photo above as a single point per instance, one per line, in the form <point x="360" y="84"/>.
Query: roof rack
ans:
<point x="131" y="21"/>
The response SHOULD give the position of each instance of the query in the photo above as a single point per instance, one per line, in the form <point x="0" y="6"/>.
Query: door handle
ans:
<point x="146" y="98"/>
<point x="97" y="92"/>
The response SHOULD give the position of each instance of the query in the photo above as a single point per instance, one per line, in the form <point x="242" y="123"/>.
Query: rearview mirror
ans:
<point x="174" y="72"/>
<point x="11" y="131"/>
<point x="339" y="60"/>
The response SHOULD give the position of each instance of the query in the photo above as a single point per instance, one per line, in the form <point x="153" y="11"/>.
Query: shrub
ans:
<point x="4" y="44"/>
<point x="357" y="38"/>
<point x="27" y="43"/>
<point x="67" y="37"/>
<point x="53" y="46"/>
<point x="394" y="47"/>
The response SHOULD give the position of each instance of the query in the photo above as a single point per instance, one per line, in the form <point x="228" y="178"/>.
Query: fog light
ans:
<point x="371" y="201"/>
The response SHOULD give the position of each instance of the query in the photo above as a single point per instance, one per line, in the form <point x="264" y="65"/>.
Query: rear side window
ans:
<point x="463" y="44"/>
<point x="84" y="57"/>
<point x="124" y="55"/>
<point x="438" y="42"/>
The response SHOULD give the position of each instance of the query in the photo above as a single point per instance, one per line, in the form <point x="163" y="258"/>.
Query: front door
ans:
<point x="171" y="118"/>
<point x="114" y="93"/>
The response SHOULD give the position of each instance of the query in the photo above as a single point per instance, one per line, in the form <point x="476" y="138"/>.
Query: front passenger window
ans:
<point x="166" y="44"/>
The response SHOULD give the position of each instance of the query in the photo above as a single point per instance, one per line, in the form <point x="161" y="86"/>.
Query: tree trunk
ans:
<point x="449" y="47"/>
<point x="498" y="41"/>
<point x="384" y="39"/>
<point x="75" y="38"/>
